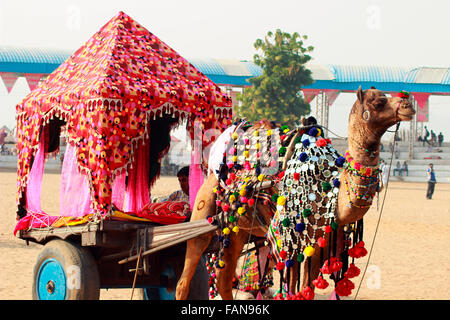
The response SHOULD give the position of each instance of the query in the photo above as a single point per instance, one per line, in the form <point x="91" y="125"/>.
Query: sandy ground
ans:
<point x="410" y="258"/>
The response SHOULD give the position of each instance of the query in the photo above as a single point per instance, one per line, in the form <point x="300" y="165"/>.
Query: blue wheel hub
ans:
<point x="51" y="281"/>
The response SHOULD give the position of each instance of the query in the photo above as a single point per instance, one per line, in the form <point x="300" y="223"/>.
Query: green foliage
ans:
<point x="276" y="94"/>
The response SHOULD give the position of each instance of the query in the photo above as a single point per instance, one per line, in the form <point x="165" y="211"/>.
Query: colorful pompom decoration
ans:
<point x="303" y="157"/>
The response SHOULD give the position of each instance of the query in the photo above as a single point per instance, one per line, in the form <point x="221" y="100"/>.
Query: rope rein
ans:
<point x="379" y="216"/>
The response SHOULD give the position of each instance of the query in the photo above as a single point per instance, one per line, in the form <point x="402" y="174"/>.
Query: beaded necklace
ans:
<point x="351" y="203"/>
<point x="359" y="169"/>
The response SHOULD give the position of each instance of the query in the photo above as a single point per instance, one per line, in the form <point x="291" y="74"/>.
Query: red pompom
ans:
<point x="251" y="202"/>
<point x="353" y="271"/>
<point x="296" y="176"/>
<point x="297" y="296"/>
<point x="321" y="242"/>
<point x="308" y="293"/>
<point x="321" y="142"/>
<point x="281" y="175"/>
<point x="283" y="254"/>
<point x="279" y="296"/>
<point x="232" y="176"/>
<point x="358" y="251"/>
<point x="344" y="287"/>
<point x="331" y="265"/>
<point x="328" y="229"/>
<point x="280" y="266"/>
<point x="320" y="283"/>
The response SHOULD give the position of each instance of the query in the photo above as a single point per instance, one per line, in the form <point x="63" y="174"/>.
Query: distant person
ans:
<point x="398" y="168"/>
<point x="427" y="135"/>
<point x="183" y="193"/>
<point x="431" y="178"/>
<point x="384" y="173"/>
<point x="405" y="167"/>
<point x="396" y="150"/>
<point x="440" y="139"/>
<point x="3" y="135"/>
<point x="433" y="138"/>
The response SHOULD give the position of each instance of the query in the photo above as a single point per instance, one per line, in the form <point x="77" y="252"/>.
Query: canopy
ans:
<point x="107" y="92"/>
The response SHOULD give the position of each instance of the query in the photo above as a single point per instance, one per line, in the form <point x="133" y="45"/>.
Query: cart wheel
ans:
<point x="65" y="271"/>
<point x="162" y="293"/>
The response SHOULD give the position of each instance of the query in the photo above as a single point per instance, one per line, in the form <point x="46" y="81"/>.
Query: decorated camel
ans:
<point x="294" y="188"/>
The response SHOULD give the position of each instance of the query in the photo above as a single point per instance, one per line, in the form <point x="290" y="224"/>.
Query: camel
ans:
<point x="354" y="188"/>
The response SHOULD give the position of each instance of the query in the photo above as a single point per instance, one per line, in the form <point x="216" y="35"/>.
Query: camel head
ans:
<point x="378" y="112"/>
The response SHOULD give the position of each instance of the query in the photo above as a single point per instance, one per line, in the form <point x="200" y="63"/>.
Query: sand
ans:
<point x="409" y="259"/>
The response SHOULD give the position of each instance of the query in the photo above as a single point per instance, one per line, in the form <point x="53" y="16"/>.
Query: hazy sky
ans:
<point x="355" y="32"/>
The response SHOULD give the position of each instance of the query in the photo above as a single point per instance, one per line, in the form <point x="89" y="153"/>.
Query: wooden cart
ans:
<point x="76" y="262"/>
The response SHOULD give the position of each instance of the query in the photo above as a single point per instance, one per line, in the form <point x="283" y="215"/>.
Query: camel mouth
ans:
<point x="406" y="116"/>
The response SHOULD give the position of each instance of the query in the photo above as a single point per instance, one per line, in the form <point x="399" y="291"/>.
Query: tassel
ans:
<point x="281" y="281"/>
<point x="288" y="279"/>
<point x="299" y="272"/>
<point x="308" y="261"/>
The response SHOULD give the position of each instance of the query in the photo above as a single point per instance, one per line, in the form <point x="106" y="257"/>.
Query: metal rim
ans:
<point x="51" y="281"/>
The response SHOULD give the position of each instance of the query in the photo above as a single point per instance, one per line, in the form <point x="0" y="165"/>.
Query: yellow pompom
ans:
<point x="221" y="263"/>
<point x="269" y="133"/>
<point x="309" y="251"/>
<point x="285" y="130"/>
<point x="256" y="133"/>
<point x="232" y="198"/>
<point x="319" y="132"/>
<point x="226" y="230"/>
<point x="281" y="200"/>
<point x="279" y="243"/>
<point x="246" y="180"/>
<point x="215" y="190"/>
<point x="234" y="158"/>
<point x="246" y="153"/>
<point x="261" y="177"/>
<point x="235" y="135"/>
<point x="236" y="229"/>
<point x="241" y="210"/>
<point x="257" y="146"/>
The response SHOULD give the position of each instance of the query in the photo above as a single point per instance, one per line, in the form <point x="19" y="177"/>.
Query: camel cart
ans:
<point x="116" y="99"/>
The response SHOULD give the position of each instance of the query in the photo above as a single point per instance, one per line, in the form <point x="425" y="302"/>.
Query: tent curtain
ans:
<point x="34" y="186"/>
<point x="75" y="198"/>
<point x="131" y="193"/>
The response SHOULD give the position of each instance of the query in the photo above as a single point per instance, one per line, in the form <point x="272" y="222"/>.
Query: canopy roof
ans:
<point x="108" y="91"/>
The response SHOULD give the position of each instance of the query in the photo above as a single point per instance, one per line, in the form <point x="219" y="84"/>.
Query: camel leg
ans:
<point x="204" y="205"/>
<point x="230" y="258"/>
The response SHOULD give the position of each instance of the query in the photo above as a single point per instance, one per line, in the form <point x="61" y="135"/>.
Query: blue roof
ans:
<point x="368" y="73"/>
<point x="237" y="73"/>
<point x="31" y="60"/>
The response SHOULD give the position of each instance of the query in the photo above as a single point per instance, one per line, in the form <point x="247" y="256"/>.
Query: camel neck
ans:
<point x="363" y="145"/>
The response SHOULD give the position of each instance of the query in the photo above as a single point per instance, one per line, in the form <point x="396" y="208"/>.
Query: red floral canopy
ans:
<point x="107" y="91"/>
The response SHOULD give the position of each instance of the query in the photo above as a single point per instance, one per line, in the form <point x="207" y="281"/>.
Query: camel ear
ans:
<point x="360" y="95"/>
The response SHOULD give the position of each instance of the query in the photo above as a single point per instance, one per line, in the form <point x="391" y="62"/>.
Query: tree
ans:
<point x="275" y="94"/>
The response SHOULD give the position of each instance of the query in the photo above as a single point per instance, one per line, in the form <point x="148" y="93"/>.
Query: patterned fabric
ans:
<point x="35" y="220"/>
<point x="168" y="212"/>
<point x="107" y="92"/>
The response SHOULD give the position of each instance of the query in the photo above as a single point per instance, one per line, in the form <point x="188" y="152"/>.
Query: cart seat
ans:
<point x="166" y="212"/>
